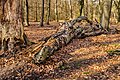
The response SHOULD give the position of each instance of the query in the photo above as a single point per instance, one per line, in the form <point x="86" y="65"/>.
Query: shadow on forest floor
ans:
<point x="70" y="59"/>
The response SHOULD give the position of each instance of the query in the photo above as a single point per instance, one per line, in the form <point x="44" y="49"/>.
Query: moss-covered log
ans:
<point x="64" y="35"/>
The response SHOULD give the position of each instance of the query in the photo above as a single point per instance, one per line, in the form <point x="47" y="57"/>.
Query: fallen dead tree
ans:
<point x="64" y="35"/>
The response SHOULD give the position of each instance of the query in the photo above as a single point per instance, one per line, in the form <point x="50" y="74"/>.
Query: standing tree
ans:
<point x="100" y="10"/>
<point x="117" y="4"/>
<point x="42" y="14"/>
<point x="66" y="9"/>
<point x="12" y="24"/>
<point x="86" y="8"/>
<point x="36" y="10"/>
<point x="26" y="13"/>
<point x="70" y="4"/>
<point x="56" y="10"/>
<point x="81" y="4"/>
<point x="106" y="14"/>
<point x="91" y="9"/>
<point x="48" y="15"/>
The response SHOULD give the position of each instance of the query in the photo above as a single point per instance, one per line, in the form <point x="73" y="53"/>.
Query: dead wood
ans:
<point x="64" y="35"/>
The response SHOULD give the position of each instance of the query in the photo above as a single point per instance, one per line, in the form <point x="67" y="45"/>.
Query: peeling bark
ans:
<point x="64" y="35"/>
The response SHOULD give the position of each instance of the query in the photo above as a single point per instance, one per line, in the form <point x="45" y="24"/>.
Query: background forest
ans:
<point x="68" y="9"/>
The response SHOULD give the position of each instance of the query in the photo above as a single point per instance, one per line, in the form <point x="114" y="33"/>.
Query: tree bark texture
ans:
<point x="117" y="4"/>
<point x="106" y="14"/>
<point x="64" y="35"/>
<point x="12" y="24"/>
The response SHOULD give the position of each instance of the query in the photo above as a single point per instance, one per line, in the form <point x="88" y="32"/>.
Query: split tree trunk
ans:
<point x="65" y="34"/>
<point x="12" y="25"/>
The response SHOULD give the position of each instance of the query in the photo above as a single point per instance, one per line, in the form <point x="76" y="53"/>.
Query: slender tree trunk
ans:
<point x="81" y="4"/>
<point x="56" y="10"/>
<point x="12" y="25"/>
<point x="70" y="4"/>
<point x="66" y="10"/>
<point x="42" y="14"/>
<point x="36" y="19"/>
<point x="91" y="9"/>
<point x="100" y="10"/>
<point x="86" y="8"/>
<point x="48" y="15"/>
<point x="106" y="14"/>
<point x="26" y="12"/>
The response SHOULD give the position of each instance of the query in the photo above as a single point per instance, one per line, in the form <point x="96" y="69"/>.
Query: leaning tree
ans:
<point x="12" y="25"/>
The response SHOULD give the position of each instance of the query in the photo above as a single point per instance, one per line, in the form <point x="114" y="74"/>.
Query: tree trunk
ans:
<point x="118" y="15"/>
<point x="91" y="9"/>
<point x="36" y="10"/>
<point x="56" y="10"/>
<point x="100" y="10"/>
<point x="106" y="14"/>
<point x="42" y="14"/>
<point x="26" y="20"/>
<point x="48" y="15"/>
<point x="66" y="10"/>
<point x="70" y="4"/>
<point x="117" y="4"/>
<point x="81" y="4"/>
<point x="86" y="8"/>
<point x="65" y="34"/>
<point x="12" y="25"/>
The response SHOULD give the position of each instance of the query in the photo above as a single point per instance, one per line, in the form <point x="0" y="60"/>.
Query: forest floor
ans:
<point x="81" y="59"/>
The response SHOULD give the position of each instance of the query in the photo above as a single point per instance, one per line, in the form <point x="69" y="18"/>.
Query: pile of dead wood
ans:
<point x="65" y="34"/>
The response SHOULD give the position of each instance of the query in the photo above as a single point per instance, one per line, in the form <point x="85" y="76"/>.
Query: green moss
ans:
<point x="86" y="72"/>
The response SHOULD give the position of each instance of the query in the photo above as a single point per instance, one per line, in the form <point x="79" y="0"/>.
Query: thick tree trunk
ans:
<point x="106" y="14"/>
<point x="12" y="25"/>
<point x="117" y="4"/>
<point x="65" y="34"/>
